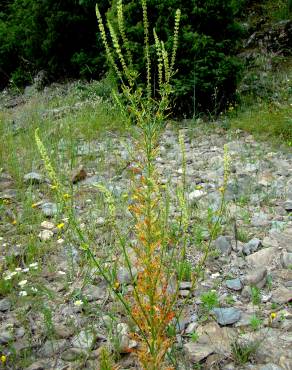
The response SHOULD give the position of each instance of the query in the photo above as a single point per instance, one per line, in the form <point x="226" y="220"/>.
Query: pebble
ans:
<point x="263" y="257"/>
<point x="286" y="259"/>
<point x="282" y="295"/>
<point x="124" y="276"/>
<point x="95" y="293"/>
<point x="256" y="277"/>
<point x="63" y="331"/>
<point x="5" y="337"/>
<point x="195" y="195"/>
<point x="47" y="225"/>
<point x="223" y="244"/>
<point x="84" y="340"/>
<point x="125" y="344"/>
<point x="234" y="284"/>
<point x="53" y="346"/>
<point x="49" y="209"/>
<point x="226" y="316"/>
<point x="288" y="205"/>
<point x="73" y="354"/>
<point x="45" y="235"/>
<point x="33" y="178"/>
<point x="270" y="367"/>
<point x="5" y="305"/>
<point x="251" y="247"/>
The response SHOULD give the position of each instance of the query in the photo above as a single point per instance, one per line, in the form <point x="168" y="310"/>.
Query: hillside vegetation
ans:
<point x="145" y="212"/>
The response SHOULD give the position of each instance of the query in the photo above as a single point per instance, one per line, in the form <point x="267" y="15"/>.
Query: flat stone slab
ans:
<point x="234" y="284"/>
<point x="227" y="316"/>
<point x="262" y="258"/>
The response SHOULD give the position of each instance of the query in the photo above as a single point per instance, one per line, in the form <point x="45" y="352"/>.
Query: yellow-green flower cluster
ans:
<point x="43" y="152"/>
<point x="175" y="38"/>
<point x="159" y="58"/>
<point x="146" y="42"/>
<point x="122" y="31"/>
<point x="105" y="43"/>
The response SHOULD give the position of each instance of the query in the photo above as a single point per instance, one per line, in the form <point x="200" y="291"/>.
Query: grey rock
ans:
<point x="45" y="235"/>
<point x="256" y="277"/>
<point x="184" y="293"/>
<point x="52" y="347"/>
<point x="5" y="305"/>
<point x="91" y="181"/>
<point x="5" y="337"/>
<point x="49" y="209"/>
<point x="185" y="285"/>
<point x="125" y="344"/>
<point x="85" y="340"/>
<point x="182" y="322"/>
<point x="94" y="293"/>
<point x="195" y="195"/>
<point x="39" y="365"/>
<point x="19" y="332"/>
<point x="227" y="316"/>
<point x="63" y="331"/>
<point x="246" y="293"/>
<point x="212" y="339"/>
<point x="269" y="367"/>
<point x="259" y="219"/>
<point x="251" y="247"/>
<point x="286" y="259"/>
<point x="288" y="205"/>
<point x="124" y="276"/>
<point x="197" y="352"/>
<point x="263" y="257"/>
<point x="33" y="178"/>
<point x="283" y="239"/>
<point x="73" y="354"/>
<point x="223" y="244"/>
<point x="8" y="194"/>
<point x="234" y="284"/>
<point x="191" y="328"/>
<point x="282" y="295"/>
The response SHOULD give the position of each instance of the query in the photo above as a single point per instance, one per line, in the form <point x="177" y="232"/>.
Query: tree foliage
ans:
<point x="61" y="37"/>
<point x="58" y="36"/>
<point x="208" y="68"/>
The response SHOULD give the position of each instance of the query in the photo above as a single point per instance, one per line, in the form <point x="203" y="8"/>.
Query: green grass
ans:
<point x="266" y="121"/>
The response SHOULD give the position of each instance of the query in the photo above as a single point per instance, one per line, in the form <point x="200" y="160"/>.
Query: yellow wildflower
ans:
<point x="273" y="315"/>
<point x="221" y="189"/>
<point x="66" y="196"/>
<point x="34" y="205"/>
<point x="3" y="359"/>
<point x="60" y="226"/>
<point x="14" y="222"/>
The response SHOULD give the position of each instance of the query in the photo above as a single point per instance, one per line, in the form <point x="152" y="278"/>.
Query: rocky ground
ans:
<point x="56" y="312"/>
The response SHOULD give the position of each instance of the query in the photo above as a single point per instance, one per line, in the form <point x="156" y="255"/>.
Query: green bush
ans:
<point x="58" y="36"/>
<point x="61" y="38"/>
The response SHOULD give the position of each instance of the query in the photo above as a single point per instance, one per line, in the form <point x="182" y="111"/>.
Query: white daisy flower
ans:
<point x="78" y="303"/>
